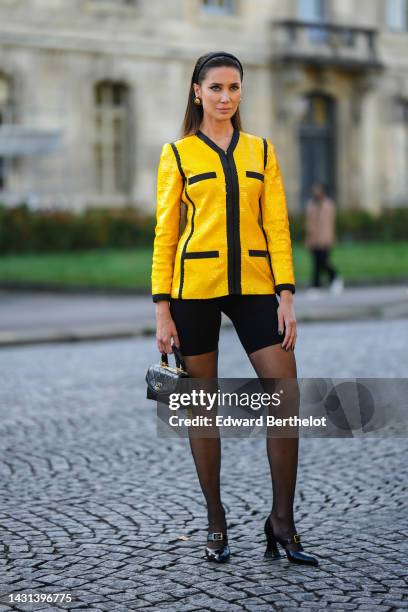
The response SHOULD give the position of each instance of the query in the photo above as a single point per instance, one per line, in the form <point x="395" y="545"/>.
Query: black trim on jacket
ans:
<point x="265" y="148"/>
<point x="201" y="254"/>
<point x="183" y="252"/>
<point x="279" y="288"/>
<point x="265" y="144"/>
<point x="232" y="206"/>
<point x="253" y="174"/>
<point x="201" y="177"/>
<point x="257" y="253"/>
<point x="160" y="296"/>
<point x="177" y="156"/>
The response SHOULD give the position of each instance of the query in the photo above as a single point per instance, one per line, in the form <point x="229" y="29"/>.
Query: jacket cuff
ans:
<point x="279" y="288"/>
<point x="157" y="297"/>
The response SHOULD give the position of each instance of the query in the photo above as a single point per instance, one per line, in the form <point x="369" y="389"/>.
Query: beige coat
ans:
<point x="320" y="224"/>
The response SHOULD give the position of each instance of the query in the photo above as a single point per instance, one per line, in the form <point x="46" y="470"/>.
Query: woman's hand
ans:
<point x="287" y="320"/>
<point x="165" y="328"/>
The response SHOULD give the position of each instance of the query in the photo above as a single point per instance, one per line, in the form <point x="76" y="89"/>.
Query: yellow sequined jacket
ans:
<point x="236" y="237"/>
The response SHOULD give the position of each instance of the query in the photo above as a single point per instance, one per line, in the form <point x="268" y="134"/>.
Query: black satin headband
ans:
<point x="212" y="56"/>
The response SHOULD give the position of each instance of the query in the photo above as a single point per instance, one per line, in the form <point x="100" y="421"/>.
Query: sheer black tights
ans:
<point x="206" y="451"/>
<point x="275" y="362"/>
<point x="269" y="362"/>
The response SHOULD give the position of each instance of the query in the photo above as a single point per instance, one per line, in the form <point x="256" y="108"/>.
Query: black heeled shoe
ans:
<point x="220" y="555"/>
<point x="294" y="556"/>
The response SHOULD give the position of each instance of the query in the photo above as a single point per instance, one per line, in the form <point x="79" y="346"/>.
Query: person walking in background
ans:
<point x="320" y="238"/>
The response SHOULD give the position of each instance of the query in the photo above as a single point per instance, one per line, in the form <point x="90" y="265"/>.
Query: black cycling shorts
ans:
<point x="198" y="321"/>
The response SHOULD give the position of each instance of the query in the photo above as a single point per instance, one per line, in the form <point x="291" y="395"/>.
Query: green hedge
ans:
<point x="25" y="230"/>
<point x="362" y="226"/>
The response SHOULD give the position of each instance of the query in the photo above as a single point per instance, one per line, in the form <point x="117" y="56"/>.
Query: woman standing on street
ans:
<point x="233" y="256"/>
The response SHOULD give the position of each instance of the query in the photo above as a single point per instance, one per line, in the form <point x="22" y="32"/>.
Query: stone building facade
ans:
<point x="91" y="89"/>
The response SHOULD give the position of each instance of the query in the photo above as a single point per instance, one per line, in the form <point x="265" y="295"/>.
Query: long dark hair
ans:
<point x="194" y="112"/>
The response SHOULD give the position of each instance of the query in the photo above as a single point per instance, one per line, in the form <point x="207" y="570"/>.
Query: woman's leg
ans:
<point x="206" y="451"/>
<point x="255" y="319"/>
<point x="316" y="265"/>
<point x="330" y="269"/>
<point x="273" y="362"/>
<point x="198" y="325"/>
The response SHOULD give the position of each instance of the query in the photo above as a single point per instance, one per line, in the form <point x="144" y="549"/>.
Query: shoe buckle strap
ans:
<point x="216" y="536"/>
<point x="293" y="539"/>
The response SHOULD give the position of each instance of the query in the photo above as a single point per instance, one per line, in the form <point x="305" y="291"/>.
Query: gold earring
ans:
<point x="197" y="101"/>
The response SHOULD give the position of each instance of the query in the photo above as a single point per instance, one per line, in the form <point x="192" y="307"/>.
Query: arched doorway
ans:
<point x="317" y="141"/>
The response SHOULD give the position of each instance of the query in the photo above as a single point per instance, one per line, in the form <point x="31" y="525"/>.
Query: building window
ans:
<point x="314" y="11"/>
<point x="401" y="111"/>
<point x="112" y="137"/>
<point x="397" y="15"/>
<point x="397" y="154"/>
<point x="218" y="7"/>
<point x="2" y="173"/>
<point x="5" y="117"/>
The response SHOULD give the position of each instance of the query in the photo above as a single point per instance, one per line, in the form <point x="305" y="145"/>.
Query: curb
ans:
<point x="95" y="333"/>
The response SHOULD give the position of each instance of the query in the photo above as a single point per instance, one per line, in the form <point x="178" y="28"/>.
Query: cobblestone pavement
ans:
<point x="92" y="503"/>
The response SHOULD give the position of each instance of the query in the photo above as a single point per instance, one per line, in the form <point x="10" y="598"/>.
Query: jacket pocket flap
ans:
<point x="256" y="175"/>
<point x="201" y="254"/>
<point x="201" y="177"/>
<point x="257" y="253"/>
